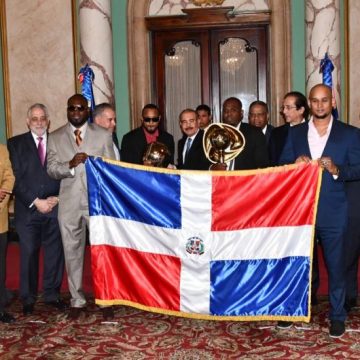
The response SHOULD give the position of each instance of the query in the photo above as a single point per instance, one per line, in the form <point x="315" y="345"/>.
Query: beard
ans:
<point x="323" y="116"/>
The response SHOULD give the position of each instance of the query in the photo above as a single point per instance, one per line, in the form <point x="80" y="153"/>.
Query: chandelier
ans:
<point x="233" y="54"/>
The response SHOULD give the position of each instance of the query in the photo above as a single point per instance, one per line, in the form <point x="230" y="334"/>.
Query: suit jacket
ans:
<point x="31" y="178"/>
<point x="268" y="132"/>
<point x="276" y="143"/>
<point x="134" y="144"/>
<point x="7" y="180"/>
<point x="255" y="153"/>
<point x="196" y="159"/>
<point x="343" y="146"/>
<point x="61" y="149"/>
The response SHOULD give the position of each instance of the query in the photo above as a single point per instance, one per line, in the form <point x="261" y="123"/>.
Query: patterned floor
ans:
<point x="136" y="334"/>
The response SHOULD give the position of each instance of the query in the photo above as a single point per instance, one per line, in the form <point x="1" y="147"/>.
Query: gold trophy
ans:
<point x="156" y="154"/>
<point x="222" y="142"/>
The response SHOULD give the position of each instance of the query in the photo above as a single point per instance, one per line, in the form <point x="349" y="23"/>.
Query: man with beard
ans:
<point x="36" y="211"/>
<point x="68" y="148"/>
<point x="134" y="143"/>
<point x="254" y="154"/>
<point x="336" y="148"/>
<point x="191" y="155"/>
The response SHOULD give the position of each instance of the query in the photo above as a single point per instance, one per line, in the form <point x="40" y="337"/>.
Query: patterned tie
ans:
<point x="41" y="150"/>
<point x="78" y="138"/>
<point x="188" y="146"/>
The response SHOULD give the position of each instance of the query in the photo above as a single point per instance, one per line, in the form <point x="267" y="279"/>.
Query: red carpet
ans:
<point x="135" y="334"/>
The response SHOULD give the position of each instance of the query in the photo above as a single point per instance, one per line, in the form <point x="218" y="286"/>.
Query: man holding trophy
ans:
<point x="234" y="145"/>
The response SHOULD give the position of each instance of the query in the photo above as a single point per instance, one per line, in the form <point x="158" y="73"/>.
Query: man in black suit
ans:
<point x="36" y="199"/>
<point x="259" y="117"/>
<point x="104" y="116"/>
<point x="134" y="143"/>
<point x="191" y="155"/>
<point x="254" y="154"/>
<point x="295" y="110"/>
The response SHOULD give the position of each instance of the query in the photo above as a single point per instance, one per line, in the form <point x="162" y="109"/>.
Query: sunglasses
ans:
<point x="154" y="119"/>
<point x="76" y="108"/>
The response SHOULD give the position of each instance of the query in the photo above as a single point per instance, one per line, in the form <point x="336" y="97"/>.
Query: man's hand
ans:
<point x="42" y="206"/>
<point x="3" y="193"/>
<point x="77" y="159"/>
<point x="326" y="163"/>
<point x="218" y="167"/>
<point x="52" y="201"/>
<point x="302" y="158"/>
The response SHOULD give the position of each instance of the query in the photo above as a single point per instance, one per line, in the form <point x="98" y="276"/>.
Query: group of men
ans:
<point x="51" y="208"/>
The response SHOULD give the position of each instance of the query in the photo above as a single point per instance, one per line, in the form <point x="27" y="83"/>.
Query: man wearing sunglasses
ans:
<point x="134" y="143"/>
<point x="68" y="148"/>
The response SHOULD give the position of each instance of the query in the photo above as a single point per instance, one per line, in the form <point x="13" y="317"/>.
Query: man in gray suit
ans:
<point x="68" y="148"/>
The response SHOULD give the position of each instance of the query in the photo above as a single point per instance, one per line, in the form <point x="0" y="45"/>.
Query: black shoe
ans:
<point x="58" y="304"/>
<point x="74" y="313"/>
<point x="314" y="300"/>
<point x="28" y="309"/>
<point x="284" y="324"/>
<point x="337" y="328"/>
<point x="108" y="313"/>
<point x="6" y="318"/>
<point x="349" y="304"/>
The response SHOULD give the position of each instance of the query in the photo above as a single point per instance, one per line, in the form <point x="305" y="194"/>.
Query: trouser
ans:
<point x="332" y="241"/>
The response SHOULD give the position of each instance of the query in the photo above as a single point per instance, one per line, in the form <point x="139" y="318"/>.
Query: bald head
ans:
<point x="321" y="102"/>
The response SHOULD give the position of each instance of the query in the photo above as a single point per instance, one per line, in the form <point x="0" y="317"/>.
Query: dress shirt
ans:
<point x="317" y="143"/>
<point x="185" y="146"/>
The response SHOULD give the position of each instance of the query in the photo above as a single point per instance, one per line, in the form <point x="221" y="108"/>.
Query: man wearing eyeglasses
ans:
<point x="36" y="211"/>
<point x="68" y="148"/>
<point x="134" y="143"/>
<point x="191" y="155"/>
<point x="295" y="110"/>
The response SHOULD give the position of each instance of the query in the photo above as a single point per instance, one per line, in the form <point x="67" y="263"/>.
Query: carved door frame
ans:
<point x="140" y="66"/>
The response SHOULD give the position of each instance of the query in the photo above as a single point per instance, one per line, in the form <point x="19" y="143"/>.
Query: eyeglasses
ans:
<point x="76" y="108"/>
<point x="154" y="119"/>
<point x="287" y="107"/>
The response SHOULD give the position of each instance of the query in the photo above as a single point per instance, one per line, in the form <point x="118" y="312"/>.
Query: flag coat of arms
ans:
<point x="210" y="245"/>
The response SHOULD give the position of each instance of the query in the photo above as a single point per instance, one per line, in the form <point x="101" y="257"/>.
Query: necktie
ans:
<point x="188" y="146"/>
<point x="78" y="138"/>
<point x="41" y="150"/>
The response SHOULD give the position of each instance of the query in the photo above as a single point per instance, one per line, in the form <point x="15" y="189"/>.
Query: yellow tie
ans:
<point x="78" y="138"/>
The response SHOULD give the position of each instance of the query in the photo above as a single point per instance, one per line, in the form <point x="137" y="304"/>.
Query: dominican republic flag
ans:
<point x="233" y="245"/>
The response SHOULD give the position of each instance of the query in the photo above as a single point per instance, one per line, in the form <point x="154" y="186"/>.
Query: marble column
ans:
<point x="322" y="35"/>
<point x="96" y="46"/>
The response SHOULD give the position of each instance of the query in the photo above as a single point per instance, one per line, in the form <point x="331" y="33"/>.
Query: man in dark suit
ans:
<point x="259" y="117"/>
<point x="36" y="200"/>
<point x="69" y="147"/>
<point x="104" y="116"/>
<point x="336" y="147"/>
<point x="134" y="143"/>
<point x="254" y="154"/>
<point x="191" y="155"/>
<point x="295" y="110"/>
